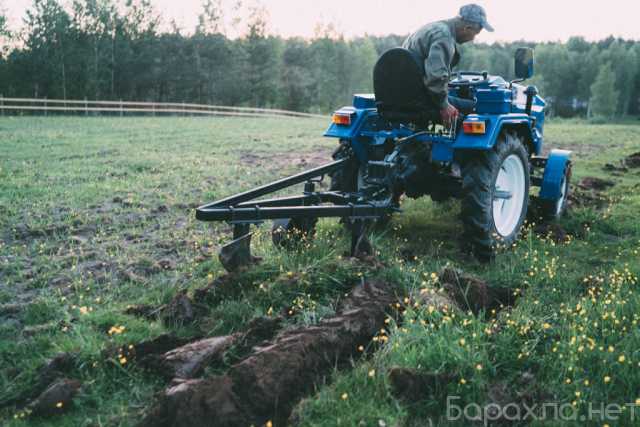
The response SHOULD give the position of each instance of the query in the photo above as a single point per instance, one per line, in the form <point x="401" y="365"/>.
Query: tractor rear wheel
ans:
<point x="495" y="186"/>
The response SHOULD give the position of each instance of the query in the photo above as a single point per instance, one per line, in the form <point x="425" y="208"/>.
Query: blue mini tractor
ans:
<point x="391" y="144"/>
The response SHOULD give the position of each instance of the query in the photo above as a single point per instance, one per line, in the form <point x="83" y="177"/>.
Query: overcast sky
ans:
<point x="538" y="20"/>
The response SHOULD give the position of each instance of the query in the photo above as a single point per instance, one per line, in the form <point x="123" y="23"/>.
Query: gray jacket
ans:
<point x="435" y="46"/>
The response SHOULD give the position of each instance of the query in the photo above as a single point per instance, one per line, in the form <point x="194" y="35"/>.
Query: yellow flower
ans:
<point x="546" y="326"/>
<point x="607" y="379"/>
<point x="621" y="359"/>
<point x="268" y="424"/>
<point x="638" y="401"/>
<point x="123" y="360"/>
<point x="463" y="381"/>
<point x="344" y="396"/>
<point x="59" y="405"/>
<point x="462" y="342"/>
<point x="479" y="367"/>
<point x="361" y="348"/>
<point x="372" y="373"/>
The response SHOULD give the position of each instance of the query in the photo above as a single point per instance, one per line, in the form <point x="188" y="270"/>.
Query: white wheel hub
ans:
<point x="509" y="195"/>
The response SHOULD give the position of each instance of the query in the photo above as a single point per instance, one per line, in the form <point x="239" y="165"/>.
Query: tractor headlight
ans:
<point x="474" y="127"/>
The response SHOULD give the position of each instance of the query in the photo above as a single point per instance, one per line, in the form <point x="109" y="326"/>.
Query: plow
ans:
<point x="391" y="144"/>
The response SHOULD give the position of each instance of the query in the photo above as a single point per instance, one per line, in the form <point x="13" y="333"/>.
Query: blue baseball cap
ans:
<point x="476" y="14"/>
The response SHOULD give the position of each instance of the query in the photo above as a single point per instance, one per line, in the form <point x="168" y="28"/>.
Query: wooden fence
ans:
<point x="59" y="106"/>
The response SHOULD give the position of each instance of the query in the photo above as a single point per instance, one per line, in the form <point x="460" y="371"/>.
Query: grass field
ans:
<point x="96" y="215"/>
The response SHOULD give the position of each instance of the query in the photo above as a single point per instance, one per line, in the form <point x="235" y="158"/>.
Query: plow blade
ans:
<point x="237" y="254"/>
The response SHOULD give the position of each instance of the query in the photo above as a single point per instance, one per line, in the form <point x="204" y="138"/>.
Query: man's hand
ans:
<point x="449" y="114"/>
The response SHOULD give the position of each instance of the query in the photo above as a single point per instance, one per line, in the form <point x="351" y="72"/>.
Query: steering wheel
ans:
<point x="471" y="78"/>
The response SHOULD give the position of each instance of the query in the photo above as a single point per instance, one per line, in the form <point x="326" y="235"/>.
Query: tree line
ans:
<point x="110" y="50"/>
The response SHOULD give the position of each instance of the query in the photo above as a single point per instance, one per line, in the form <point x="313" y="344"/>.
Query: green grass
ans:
<point x="92" y="208"/>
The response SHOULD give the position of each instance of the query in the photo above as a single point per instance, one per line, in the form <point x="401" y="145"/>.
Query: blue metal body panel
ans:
<point x="358" y="116"/>
<point x="499" y="104"/>
<point x="364" y="101"/>
<point x="553" y="173"/>
<point x="494" y="124"/>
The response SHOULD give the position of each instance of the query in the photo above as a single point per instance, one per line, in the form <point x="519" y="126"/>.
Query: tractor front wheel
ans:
<point x="553" y="210"/>
<point x="495" y="195"/>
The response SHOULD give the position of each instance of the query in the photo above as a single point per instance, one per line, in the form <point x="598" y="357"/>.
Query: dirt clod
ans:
<point x="616" y="169"/>
<point x="412" y="385"/>
<point x="57" y="398"/>
<point x="261" y="329"/>
<point x="474" y="294"/>
<point x="53" y="368"/>
<point x="597" y="184"/>
<point x="516" y="396"/>
<point x="144" y="311"/>
<point x="633" y="161"/>
<point x="147" y="352"/>
<point x="267" y="384"/>
<point x="553" y="231"/>
<point x="180" y="311"/>
<point x="190" y="360"/>
<point x="12" y="309"/>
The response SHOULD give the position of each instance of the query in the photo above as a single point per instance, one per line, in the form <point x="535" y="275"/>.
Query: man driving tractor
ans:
<point x="434" y="47"/>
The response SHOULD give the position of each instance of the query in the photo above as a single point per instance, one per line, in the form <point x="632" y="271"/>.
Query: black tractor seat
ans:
<point x="398" y="82"/>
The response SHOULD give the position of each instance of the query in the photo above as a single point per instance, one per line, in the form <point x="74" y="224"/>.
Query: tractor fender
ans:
<point x="554" y="171"/>
<point x="358" y="121"/>
<point x="353" y="133"/>
<point x="494" y="125"/>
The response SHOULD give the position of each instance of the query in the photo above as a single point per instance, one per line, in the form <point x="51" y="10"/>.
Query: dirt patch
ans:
<point x="56" y="367"/>
<point x="267" y="384"/>
<point x="471" y="293"/>
<point x="146" y="352"/>
<point x="101" y="153"/>
<point x="56" y="399"/>
<point x="99" y="271"/>
<point x="633" y="161"/>
<point x="12" y="309"/>
<point x="412" y="385"/>
<point x="180" y="311"/>
<point x="587" y="199"/>
<point x="259" y="331"/>
<point x="617" y="170"/>
<point x="514" y="397"/>
<point x="302" y="160"/>
<point x="552" y="231"/>
<point x="223" y="287"/>
<point x="144" y="311"/>
<point x="589" y="192"/>
<point x="596" y="184"/>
